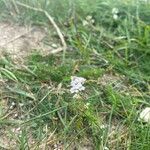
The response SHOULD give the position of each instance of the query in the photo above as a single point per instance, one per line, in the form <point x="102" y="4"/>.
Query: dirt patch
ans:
<point x="118" y="83"/>
<point x="19" y="41"/>
<point x="118" y="136"/>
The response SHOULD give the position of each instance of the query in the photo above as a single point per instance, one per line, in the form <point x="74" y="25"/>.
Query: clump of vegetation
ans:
<point x="104" y="38"/>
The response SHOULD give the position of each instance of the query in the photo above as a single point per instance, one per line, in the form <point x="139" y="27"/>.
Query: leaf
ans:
<point x="21" y="92"/>
<point x="8" y="74"/>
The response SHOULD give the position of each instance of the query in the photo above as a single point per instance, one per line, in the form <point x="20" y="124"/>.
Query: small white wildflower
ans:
<point x="115" y="11"/>
<point x="77" y="84"/>
<point x="85" y="23"/>
<point x="115" y="16"/>
<point x="82" y="88"/>
<point x="106" y="148"/>
<point x="92" y="21"/>
<point x="78" y="79"/>
<point x="88" y="18"/>
<point x="145" y="115"/>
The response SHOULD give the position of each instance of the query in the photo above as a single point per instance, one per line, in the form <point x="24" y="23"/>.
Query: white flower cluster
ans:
<point x="115" y="12"/>
<point x="88" y="20"/>
<point x="77" y="84"/>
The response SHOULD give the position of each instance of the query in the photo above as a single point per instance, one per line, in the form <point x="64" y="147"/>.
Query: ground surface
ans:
<point x="20" y="41"/>
<point x="110" y="50"/>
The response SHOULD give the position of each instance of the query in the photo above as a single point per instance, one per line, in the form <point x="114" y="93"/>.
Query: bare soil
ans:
<point x="20" y="41"/>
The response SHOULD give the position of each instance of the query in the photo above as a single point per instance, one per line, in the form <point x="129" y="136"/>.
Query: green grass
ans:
<point x="118" y="48"/>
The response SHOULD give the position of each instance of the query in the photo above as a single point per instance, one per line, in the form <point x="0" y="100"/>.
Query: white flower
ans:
<point x="115" y="11"/>
<point x="145" y="115"/>
<point x="92" y="21"/>
<point x="88" y="18"/>
<point x="85" y="23"/>
<point x="77" y="84"/>
<point x="115" y="16"/>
